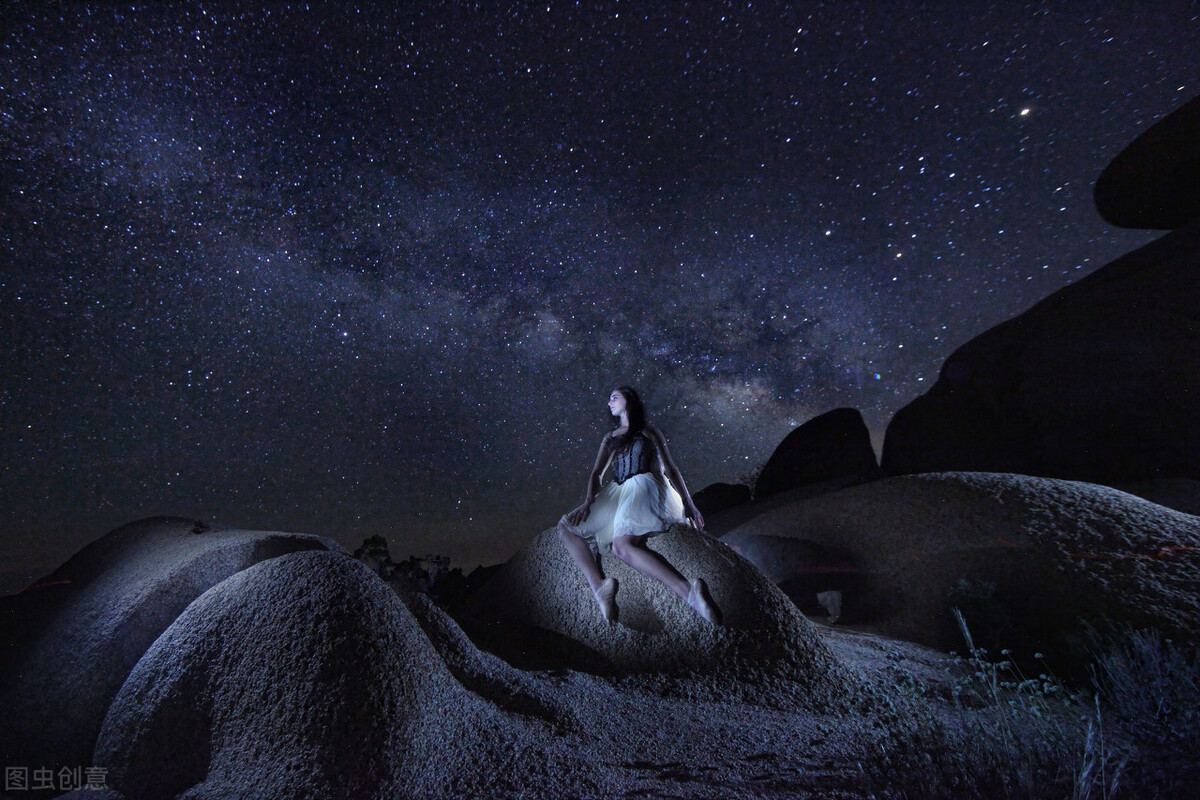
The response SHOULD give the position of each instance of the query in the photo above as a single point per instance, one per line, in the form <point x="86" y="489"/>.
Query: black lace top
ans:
<point x="632" y="457"/>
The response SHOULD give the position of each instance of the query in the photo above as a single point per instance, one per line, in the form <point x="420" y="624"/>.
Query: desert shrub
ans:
<point x="1150" y="688"/>
<point x="1001" y="734"/>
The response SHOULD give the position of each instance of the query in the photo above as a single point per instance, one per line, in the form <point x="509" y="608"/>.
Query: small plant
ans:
<point x="990" y="612"/>
<point x="1003" y="734"/>
<point x="1034" y="726"/>
<point x="1151" y="688"/>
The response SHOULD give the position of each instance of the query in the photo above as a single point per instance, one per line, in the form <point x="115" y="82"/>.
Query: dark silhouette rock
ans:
<point x="834" y="445"/>
<point x="721" y="496"/>
<point x="722" y="522"/>
<point x="74" y="645"/>
<point x="765" y="649"/>
<point x="1098" y="382"/>
<point x="1155" y="181"/>
<point x="1028" y="560"/>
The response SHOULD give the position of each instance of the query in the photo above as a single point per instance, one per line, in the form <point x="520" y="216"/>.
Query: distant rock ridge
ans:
<point x="721" y="496"/>
<point x="832" y="445"/>
<point x="1098" y="382"/>
<point x="826" y="453"/>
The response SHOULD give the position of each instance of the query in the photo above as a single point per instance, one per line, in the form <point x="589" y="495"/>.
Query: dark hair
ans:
<point x="635" y="409"/>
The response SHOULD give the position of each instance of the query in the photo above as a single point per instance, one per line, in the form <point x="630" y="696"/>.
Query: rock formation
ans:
<point x="71" y="645"/>
<point x="806" y="571"/>
<point x="306" y="674"/>
<point x="833" y="445"/>
<point x="539" y="600"/>
<point x="1181" y="494"/>
<point x="303" y="675"/>
<point x="1098" y="382"/>
<point x="1028" y="560"/>
<point x="1155" y="181"/>
<point x="721" y="496"/>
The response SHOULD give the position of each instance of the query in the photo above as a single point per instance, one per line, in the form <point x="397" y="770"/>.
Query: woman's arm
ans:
<point x="673" y="475"/>
<point x="602" y="458"/>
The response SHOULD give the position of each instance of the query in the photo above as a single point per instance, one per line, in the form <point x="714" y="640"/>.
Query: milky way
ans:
<point x="352" y="270"/>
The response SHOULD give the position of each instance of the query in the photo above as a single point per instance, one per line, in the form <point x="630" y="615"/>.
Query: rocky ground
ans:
<point x="296" y="670"/>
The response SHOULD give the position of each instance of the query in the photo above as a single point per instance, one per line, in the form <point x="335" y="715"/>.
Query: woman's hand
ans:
<point x="580" y="514"/>
<point x="694" y="515"/>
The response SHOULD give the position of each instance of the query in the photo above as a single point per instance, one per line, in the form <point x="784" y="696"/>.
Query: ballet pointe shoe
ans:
<point x="701" y="601"/>
<point x="606" y="596"/>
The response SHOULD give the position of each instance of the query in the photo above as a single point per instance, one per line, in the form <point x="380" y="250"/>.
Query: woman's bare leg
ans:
<point x="579" y="550"/>
<point x="632" y="551"/>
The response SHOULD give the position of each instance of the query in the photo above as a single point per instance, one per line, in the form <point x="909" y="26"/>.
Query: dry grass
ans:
<point x="1000" y="734"/>
<point x="1150" y="688"/>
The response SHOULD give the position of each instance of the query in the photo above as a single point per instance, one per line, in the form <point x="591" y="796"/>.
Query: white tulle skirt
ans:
<point x="644" y="504"/>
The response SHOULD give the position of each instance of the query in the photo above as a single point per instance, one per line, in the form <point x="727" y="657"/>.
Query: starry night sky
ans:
<point x="358" y="270"/>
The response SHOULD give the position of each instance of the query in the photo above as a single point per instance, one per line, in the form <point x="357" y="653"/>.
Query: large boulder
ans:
<point x="69" y="646"/>
<point x="720" y="497"/>
<point x="302" y="676"/>
<point x="1030" y="561"/>
<point x="833" y="445"/>
<point x="1181" y="494"/>
<point x="766" y="649"/>
<point x="1155" y="181"/>
<point x="1098" y="382"/>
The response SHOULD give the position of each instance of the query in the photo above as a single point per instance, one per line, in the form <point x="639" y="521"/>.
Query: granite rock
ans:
<point x="765" y="648"/>
<point x="1030" y="561"/>
<point x="69" y="646"/>
<point x="1098" y="382"/>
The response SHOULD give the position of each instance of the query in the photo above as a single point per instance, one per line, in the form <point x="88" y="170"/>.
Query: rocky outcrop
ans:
<point x="833" y="445"/>
<point x="1181" y="494"/>
<point x="70" y="646"/>
<point x="1155" y="181"/>
<point x="721" y="496"/>
<point x="303" y="675"/>
<point x="539" y="601"/>
<point x="1028" y="560"/>
<point x="1098" y="382"/>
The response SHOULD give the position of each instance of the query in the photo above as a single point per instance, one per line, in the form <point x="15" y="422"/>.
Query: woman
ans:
<point x="637" y="503"/>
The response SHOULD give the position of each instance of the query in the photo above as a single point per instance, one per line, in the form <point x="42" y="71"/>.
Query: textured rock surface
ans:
<point x="1098" y="382"/>
<point x="1181" y="494"/>
<point x="304" y="675"/>
<point x="1025" y="558"/>
<point x="307" y="676"/>
<point x="1155" y="181"/>
<point x="70" y="646"/>
<point x="832" y="445"/>
<point x="766" y="647"/>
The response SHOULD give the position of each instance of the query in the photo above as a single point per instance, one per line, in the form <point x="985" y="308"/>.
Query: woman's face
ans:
<point x="616" y="403"/>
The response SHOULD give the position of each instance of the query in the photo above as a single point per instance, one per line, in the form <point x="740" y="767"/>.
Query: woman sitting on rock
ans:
<point x="637" y="503"/>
